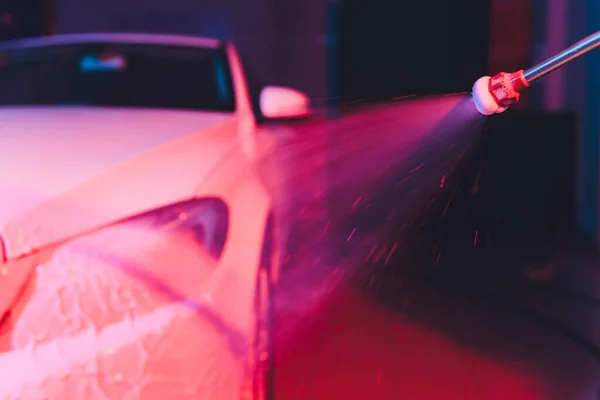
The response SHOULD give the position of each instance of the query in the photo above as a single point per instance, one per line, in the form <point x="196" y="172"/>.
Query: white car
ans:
<point x="137" y="238"/>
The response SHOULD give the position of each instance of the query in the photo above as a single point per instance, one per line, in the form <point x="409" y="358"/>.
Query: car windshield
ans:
<point x="117" y="75"/>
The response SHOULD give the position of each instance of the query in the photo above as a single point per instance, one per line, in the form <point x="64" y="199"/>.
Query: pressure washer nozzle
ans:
<point x="494" y="95"/>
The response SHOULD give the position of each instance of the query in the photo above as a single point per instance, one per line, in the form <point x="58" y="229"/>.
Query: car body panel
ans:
<point x="144" y="180"/>
<point x="77" y="284"/>
<point x="45" y="152"/>
<point x="93" y="322"/>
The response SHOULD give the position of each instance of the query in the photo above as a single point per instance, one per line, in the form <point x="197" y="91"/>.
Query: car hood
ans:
<point x="54" y="159"/>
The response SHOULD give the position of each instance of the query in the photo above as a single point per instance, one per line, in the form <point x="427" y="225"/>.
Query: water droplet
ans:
<point x="108" y="352"/>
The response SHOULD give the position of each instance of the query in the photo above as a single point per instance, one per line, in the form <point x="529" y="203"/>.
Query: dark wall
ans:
<point x="394" y="48"/>
<point x="528" y="187"/>
<point x="27" y="18"/>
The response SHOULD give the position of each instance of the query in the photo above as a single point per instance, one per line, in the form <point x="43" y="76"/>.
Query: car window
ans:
<point x="117" y="75"/>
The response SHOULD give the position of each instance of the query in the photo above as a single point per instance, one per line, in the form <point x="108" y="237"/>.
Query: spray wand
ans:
<point x="493" y="95"/>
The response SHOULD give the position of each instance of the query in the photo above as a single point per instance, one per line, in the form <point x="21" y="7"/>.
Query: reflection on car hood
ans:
<point x="46" y="152"/>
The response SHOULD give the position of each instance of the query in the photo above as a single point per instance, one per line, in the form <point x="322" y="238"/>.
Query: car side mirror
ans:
<point x="277" y="102"/>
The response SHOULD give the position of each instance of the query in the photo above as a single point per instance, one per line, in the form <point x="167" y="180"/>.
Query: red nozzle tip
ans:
<point x="505" y="88"/>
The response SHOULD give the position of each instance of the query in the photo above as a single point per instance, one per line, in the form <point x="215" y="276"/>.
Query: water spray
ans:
<point x="493" y="95"/>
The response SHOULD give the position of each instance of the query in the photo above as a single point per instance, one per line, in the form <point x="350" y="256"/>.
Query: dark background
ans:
<point x="390" y="49"/>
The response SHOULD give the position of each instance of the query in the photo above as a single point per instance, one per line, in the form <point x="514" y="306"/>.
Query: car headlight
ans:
<point x="206" y="220"/>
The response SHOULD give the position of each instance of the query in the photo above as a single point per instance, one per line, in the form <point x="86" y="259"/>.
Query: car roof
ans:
<point x="145" y="38"/>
